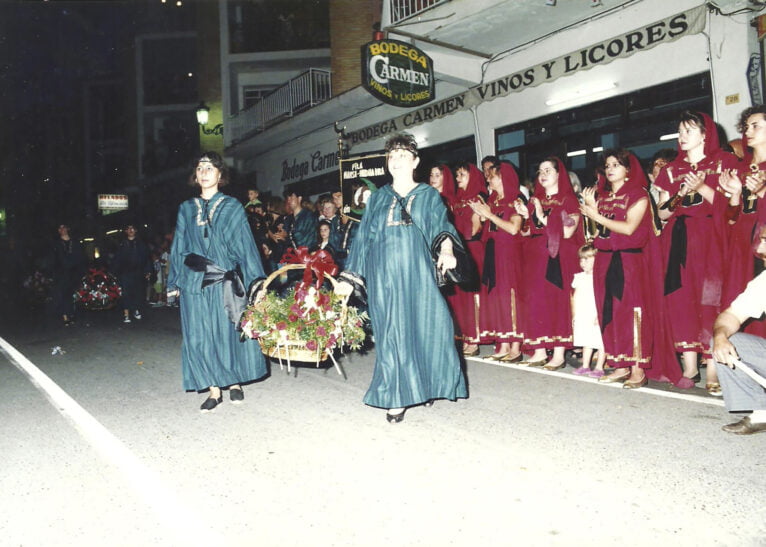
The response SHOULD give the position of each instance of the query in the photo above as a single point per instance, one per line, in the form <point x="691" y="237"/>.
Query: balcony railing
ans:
<point x="404" y="9"/>
<point x="300" y="93"/>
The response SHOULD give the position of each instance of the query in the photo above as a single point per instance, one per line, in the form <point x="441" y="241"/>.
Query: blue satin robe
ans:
<point x="212" y="353"/>
<point x="416" y="358"/>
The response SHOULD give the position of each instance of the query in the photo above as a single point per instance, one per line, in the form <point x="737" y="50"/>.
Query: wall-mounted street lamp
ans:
<point x="202" y="117"/>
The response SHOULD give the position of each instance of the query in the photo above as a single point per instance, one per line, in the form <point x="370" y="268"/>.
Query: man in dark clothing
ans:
<point x="68" y="266"/>
<point x="133" y="268"/>
<point x="300" y="223"/>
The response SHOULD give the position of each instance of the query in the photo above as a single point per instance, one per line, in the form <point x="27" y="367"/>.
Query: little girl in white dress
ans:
<point x="585" y="328"/>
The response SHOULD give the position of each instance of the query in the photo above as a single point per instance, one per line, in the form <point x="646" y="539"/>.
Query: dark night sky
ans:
<point x="53" y="45"/>
<point x="49" y="51"/>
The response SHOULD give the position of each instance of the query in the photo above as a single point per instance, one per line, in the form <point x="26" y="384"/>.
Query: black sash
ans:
<point x="488" y="274"/>
<point x="234" y="299"/>
<point x="677" y="256"/>
<point x="553" y="271"/>
<point x="614" y="284"/>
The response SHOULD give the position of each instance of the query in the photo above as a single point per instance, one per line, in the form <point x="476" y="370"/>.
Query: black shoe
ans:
<point x="210" y="403"/>
<point x="236" y="395"/>
<point x="395" y="418"/>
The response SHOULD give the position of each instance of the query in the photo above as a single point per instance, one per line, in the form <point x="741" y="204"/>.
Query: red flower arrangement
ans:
<point x="99" y="290"/>
<point x="309" y="321"/>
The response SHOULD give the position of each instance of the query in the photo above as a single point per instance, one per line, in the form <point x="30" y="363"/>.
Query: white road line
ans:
<point x="618" y="385"/>
<point x="185" y="526"/>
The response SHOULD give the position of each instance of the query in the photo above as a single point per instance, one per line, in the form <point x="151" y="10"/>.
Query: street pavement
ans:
<point x="100" y="445"/>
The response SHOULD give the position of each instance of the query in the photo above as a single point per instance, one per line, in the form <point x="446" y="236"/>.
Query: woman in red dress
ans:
<point x="741" y="262"/>
<point x="621" y="273"/>
<point x="501" y="273"/>
<point x="552" y="219"/>
<point x="695" y="207"/>
<point x="440" y="177"/>
<point x="465" y="303"/>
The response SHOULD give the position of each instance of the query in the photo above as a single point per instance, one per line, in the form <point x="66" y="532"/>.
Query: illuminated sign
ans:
<point x="397" y="73"/>
<point x="112" y="202"/>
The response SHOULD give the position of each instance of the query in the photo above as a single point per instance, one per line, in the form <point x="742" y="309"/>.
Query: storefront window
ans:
<point x="578" y="136"/>
<point x="448" y="153"/>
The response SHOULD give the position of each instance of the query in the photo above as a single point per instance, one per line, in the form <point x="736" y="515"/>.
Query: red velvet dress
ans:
<point x="621" y="279"/>
<point x="742" y="265"/>
<point x="548" y="279"/>
<point x="694" y="242"/>
<point x="465" y="304"/>
<point x="500" y="312"/>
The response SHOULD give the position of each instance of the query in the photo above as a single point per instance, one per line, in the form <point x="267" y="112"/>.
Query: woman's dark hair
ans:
<point x="493" y="160"/>
<point x="217" y="161"/>
<point x="690" y="116"/>
<point x="755" y="109"/>
<point x="319" y="225"/>
<point x="465" y="165"/>
<point x="405" y="141"/>
<point x="623" y="158"/>
<point x="620" y="154"/>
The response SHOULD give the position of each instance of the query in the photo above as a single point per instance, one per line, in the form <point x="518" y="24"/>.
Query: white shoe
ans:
<point x="126" y="319"/>
<point x="137" y="315"/>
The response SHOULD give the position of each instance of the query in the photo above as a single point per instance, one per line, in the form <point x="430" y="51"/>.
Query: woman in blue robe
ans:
<point x="212" y="234"/>
<point x="416" y="358"/>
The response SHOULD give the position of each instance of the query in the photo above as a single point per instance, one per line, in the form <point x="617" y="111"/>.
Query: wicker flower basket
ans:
<point x="279" y="345"/>
<point x="297" y="351"/>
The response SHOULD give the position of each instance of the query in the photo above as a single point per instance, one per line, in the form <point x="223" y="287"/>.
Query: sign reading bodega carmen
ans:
<point x="315" y="163"/>
<point x="397" y="73"/>
<point x="666" y="30"/>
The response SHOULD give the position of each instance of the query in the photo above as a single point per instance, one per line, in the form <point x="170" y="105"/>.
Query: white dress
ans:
<point x="585" y="328"/>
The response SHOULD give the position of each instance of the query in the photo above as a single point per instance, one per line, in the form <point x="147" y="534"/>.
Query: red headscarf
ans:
<point x="636" y="177"/>
<point x="476" y="185"/>
<point x="555" y="226"/>
<point x="712" y="145"/>
<point x="600" y="183"/>
<point x="448" y="186"/>
<point x="510" y="182"/>
<point x="565" y="185"/>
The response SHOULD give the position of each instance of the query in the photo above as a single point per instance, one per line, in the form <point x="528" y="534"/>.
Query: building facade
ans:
<point x="525" y="80"/>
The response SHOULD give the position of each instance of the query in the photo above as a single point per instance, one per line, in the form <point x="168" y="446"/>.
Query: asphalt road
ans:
<point x="100" y="445"/>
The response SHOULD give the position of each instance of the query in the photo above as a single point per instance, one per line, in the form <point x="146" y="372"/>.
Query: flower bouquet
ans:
<point x="99" y="290"/>
<point x="308" y="322"/>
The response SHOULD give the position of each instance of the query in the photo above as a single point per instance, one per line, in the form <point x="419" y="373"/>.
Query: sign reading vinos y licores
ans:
<point x="397" y="73"/>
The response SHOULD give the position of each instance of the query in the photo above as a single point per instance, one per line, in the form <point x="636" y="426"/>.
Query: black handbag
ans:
<point x="464" y="274"/>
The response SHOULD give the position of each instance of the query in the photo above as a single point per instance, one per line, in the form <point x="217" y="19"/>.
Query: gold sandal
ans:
<point x="714" y="389"/>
